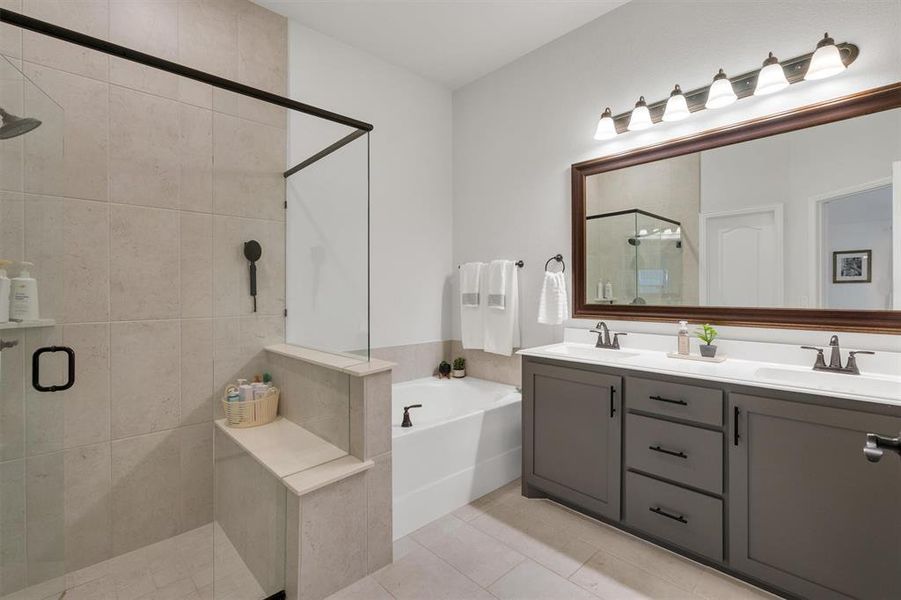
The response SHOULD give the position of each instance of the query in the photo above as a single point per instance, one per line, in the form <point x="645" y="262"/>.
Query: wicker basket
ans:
<point x="253" y="412"/>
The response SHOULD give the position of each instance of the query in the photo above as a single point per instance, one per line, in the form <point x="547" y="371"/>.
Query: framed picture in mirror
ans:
<point x="852" y="266"/>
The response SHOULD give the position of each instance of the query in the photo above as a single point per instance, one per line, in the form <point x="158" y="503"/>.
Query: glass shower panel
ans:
<point x="33" y="437"/>
<point x="659" y="271"/>
<point x="328" y="240"/>
<point x="611" y="258"/>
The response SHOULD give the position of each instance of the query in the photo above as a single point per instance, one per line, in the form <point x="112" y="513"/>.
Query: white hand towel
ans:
<point x="498" y="274"/>
<point x="472" y="317"/>
<point x="470" y="275"/>
<point x="553" y="306"/>
<point x="502" y="326"/>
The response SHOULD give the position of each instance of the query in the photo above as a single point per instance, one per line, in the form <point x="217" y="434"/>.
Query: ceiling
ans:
<point x="450" y="42"/>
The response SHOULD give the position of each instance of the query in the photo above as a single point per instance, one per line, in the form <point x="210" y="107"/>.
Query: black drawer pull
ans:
<point x="668" y="401"/>
<point x="663" y="513"/>
<point x="678" y="453"/>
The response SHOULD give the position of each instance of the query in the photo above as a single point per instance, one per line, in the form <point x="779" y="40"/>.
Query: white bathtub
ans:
<point x="465" y="442"/>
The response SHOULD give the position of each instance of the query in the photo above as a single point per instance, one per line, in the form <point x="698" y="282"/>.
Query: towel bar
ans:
<point x="518" y="263"/>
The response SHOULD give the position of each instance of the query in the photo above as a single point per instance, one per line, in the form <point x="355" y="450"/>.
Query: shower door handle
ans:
<point x="36" y="368"/>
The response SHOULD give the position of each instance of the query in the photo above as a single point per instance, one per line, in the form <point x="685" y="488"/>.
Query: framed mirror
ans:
<point x="793" y="220"/>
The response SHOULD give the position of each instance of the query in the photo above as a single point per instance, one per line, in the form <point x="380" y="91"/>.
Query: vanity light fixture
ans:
<point x="606" y="127"/>
<point x="676" y="106"/>
<point x="771" y="77"/>
<point x="721" y="93"/>
<point x="641" y="116"/>
<point x="826" y="60"/>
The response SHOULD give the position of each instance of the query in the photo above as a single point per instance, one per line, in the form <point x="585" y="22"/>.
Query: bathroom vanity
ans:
<point x="756" y="469"/>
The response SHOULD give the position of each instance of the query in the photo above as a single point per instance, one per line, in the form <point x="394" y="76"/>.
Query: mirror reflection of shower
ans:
<point x="14" y="126"/>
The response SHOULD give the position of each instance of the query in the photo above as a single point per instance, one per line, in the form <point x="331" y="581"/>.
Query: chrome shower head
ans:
<point x="14" y="126"/>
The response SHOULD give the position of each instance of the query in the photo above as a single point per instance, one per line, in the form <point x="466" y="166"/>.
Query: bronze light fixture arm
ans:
<point x="743" y="84"/>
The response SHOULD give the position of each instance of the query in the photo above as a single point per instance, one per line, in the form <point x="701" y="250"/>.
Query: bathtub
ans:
<point x="465" y="442"/>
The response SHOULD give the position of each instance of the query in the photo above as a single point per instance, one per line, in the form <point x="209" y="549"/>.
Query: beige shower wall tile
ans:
<point x="195" y="159"/>
<point x="414" y="361"/>
<point x="68" y="242"/>
<point x="147" y="26"/>
<point x="85" y="16"/>
<point x="12" y="398"/>
<point x="378" y="510"/>
<point x="195" y="93"/>
<point x="196" y="264"/>
<point x="231" y="279"/>
<point x="493" y="367"/>
<point x="195" y="475"/>
<point x="87" y="405"/>
<point x="67" y="156"/>
<point x="377" y="402"/>
<point x="12" y="225"/>
<point x="145" y="489"/>
<point x="249" y="108"/>
<point x="314" y="397"/>
<point x="333" y="551"/>
<point x="12" y="99"/>
<point x="196" y="371"/>
<point x="144" y="130"/>
<point x="142" y="78"/>
<point x="13" y="567"/>
<point x="263" y="50"/>
<point x="207" y="38"/>
<point x="46" y="524"/>
<point x="144" y="263"/>
<point x="238" y="349"/>
<point x="11" y="46"/>
<point x="145" y="376"/>
<point x="87" y="505"/>
<point x="248" y="168"/>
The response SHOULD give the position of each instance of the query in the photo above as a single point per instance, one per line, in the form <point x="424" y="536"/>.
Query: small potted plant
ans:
<point x="706" y="333"/>
<point x="444" y="370"/>
<point x="459" y="367"/>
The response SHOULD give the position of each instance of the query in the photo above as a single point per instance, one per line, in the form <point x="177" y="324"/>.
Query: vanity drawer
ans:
<point x="689" y="402"/>
<point x="685" y="518"/>
<point x="682" y="453"/>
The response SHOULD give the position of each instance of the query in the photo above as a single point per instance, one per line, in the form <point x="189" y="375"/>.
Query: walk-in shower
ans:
<point x="133" y="183"/>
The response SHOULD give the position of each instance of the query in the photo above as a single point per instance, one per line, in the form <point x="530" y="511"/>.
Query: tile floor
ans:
<point x="178" y="568"/>
<point x="509" y="547"/>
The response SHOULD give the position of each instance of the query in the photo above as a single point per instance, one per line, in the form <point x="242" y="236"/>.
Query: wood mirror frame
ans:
<point x="846" y="107"/>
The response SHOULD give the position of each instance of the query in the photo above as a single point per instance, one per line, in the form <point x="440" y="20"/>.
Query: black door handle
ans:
<point x="36" y="368"/>
<point x="735" y="412"/>
<point x="612" y="401"/>
<point x="678" y="453"/>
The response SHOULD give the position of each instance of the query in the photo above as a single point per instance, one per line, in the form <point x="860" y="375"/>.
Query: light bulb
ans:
<point x="606" y="127"/>
<point x="676" y="107"/>
<point x="721" y="93"/>
<point x="641" y="116"/>
<point x="826" y="60"/>
<point x="771" y="77"/>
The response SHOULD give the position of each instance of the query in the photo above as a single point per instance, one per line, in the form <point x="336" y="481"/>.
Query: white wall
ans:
<point x="518" y="130"/>
<point x="411" y="179"/>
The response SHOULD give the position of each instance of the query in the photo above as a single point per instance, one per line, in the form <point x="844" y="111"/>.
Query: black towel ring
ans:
<point x="559" y="259"/>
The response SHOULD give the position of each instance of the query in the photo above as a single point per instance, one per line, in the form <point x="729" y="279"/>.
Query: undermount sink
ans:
<point x="588" y="351"/>
<point x="867" y="385"/>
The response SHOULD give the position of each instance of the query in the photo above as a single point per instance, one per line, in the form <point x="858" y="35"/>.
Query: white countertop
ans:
<point x="883" y="389"/>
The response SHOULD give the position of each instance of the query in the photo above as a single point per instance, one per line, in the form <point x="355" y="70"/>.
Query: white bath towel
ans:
<point x="472" y="316"/>
<point x="498" y="274"/>
<point x="553" y="305"/>
<point x="502" y="326"/>
<point x="470" y="283"/>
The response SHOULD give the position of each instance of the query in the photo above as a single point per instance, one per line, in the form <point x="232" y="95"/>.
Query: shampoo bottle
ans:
<point x="608" y="291"/>
<point x="4" y="291"/>
<point x="23" y="302"/>
<point x="683" y="338"/>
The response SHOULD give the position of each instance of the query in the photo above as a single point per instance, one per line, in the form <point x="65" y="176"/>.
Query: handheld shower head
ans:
<point x="14" y="126"/>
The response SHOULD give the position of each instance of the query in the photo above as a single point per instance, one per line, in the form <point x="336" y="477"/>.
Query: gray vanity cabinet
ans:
<point x="808" y="512"/>
<point x="572" y="428"/>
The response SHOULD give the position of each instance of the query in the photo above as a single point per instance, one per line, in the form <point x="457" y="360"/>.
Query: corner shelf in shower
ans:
<point x="28" y="324"/>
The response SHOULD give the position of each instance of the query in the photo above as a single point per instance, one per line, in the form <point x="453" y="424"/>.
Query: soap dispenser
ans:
<point x="684" y="340"/>
<point x="4" y="291"/>
<point x="23" y="302"/>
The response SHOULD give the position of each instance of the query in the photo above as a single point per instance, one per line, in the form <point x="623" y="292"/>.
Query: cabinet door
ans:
<point x="571" y="436"/>
<point x="808" y="512"/>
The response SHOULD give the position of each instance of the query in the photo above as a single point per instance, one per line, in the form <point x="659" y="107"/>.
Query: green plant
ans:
<point x="706" y="333"/>
<point x="459" y="363"/>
